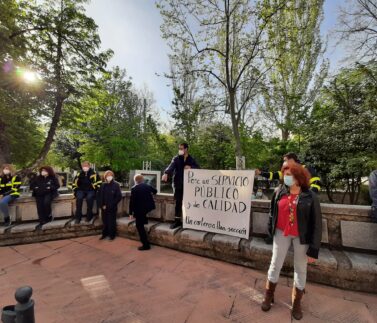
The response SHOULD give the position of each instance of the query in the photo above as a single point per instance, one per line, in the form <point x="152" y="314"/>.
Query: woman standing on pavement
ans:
<point x="295" y="218"/>
<point x="108" y="198"/>
<point x="45" y="189"/>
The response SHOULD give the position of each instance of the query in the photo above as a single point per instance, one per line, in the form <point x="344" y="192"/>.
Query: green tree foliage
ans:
<point x="114" y="128"/>
<point x="226" y="41"/>
<point x="358" y="28"/>
<point x="341" y="135"/>
<point x="186" y="116"/>
<point x="62" y="43"/>
<point x="294" y="50"/>
<point x="20" y="136"/>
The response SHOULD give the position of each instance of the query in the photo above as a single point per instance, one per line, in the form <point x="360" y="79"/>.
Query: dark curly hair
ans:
<point x="48" y="169"/>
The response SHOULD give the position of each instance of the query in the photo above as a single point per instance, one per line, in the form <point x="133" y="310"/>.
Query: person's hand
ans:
<point x="187" y="167"/>
<point x="164" y="178"/>
<point x="311" y="260"/>
<point x="257" y="172"/>
<point x="104" y="207"/>
<point x="48" y="187"/>
<point x="131" y="216"/>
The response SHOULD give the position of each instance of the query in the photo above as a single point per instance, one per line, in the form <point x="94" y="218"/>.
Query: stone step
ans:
<point x="345" y="269"/>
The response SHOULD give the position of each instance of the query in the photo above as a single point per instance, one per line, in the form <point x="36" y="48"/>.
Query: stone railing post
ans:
<point x="23" y="311"/>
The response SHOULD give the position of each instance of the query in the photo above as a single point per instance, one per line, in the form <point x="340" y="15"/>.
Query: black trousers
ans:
<point x="44" y="207"/>
<point x="89" y="196"/>
<point x="140" y="221"/>
<point x="109" y="219"/>
<point x="178" y="196"/>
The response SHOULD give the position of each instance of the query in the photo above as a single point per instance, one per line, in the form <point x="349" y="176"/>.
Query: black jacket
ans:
<point x="10" y="185"/>
<point x="177" y="167"/>
<point x="89" y="181"/>
<point x="41" y="185"/>
<point x="109" y="195"/>
<point x="309" y="218"/>
<point x="142" y="201"/>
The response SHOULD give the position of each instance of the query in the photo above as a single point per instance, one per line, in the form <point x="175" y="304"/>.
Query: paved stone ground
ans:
<point x="87" y="280"/>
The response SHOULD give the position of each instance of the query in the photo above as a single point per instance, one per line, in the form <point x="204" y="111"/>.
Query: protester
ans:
<point x="109" y="196"/>
<point x="85" y="186"/>
<point x="295" y="217"/>
<point x="141" y="203"/>
<point x="45" y="189"/>
<point x="315" y="181"/>
<point x="373" y="194"/>
<point x="176" y="168"/>
<point x="9" y="190"/>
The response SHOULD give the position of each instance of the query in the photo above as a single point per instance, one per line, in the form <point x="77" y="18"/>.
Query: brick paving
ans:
<point x="87" y="280"/>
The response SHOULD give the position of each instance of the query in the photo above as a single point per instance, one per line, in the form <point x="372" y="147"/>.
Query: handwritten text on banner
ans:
<point x="218" y="201"/>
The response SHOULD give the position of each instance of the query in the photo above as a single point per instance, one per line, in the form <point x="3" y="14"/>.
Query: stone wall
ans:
<point x="347" y="259"/>
<point x="344" y="226"/>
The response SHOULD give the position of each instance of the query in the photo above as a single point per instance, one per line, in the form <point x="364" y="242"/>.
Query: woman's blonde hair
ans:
<point x="108" y="172"/>
<point x="10" y="167"/>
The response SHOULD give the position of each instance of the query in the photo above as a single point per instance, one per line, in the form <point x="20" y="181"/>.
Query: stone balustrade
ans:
<point x="344" y="226"/>
<point x="348" y="257"/>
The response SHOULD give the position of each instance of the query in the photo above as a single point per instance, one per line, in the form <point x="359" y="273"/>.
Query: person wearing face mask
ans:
<point x="141" y="203"/>
<point x="295" y="218"/>
<point x="109" y="196"/>
<point x="85" y="186"/>
<point x="45" y="189"/>
<point x="176" y="169"/>
<point x="315" y="181"/>
<point x="9" y="190"/>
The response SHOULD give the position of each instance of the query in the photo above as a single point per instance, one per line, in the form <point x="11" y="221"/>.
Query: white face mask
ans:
<point x="181" y="152"/>
<point x="109" y="178"/>
<point x="6" y="171"/>
<point x="85" y="169"/>
<point x="44" y="173"/>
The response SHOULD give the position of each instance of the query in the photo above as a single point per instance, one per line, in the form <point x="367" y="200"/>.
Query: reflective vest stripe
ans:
<point x="314" y="179"/>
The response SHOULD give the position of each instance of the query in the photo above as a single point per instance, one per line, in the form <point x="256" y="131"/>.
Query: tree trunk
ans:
<point x="329" y="195"/>
<point x="236" y="132"/>
<point x="78" y="159"/>
<point x="284" y="134"/>
<point x="59" y="100"/>
<point x="4" y="146"/>
<point x="358" y="189"/>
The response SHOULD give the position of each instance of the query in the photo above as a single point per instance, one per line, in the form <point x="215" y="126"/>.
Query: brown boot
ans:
<point x="269" y="296"/>
<point x="296" y="303"/>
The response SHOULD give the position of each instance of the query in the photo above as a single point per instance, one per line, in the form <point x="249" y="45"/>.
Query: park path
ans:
<point x="87" y="280"/>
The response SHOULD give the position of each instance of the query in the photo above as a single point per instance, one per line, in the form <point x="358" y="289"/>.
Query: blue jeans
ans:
<point x="4" y="209"/>
<point x="89" y="196"/>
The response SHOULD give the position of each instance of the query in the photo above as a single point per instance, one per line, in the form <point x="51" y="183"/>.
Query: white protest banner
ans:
<point x="218" y="201"/>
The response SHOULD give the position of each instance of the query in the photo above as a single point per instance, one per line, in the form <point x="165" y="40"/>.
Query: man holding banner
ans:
<point x="176" y="169"/>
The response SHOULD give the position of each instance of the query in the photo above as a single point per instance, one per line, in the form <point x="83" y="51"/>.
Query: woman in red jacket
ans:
<point x="295" y="218"/>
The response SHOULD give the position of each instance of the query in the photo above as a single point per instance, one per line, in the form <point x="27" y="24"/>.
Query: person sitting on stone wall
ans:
<point x="9" y="190"/>
<point x="45" y="189"/>
<point x="85" y="186"/>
